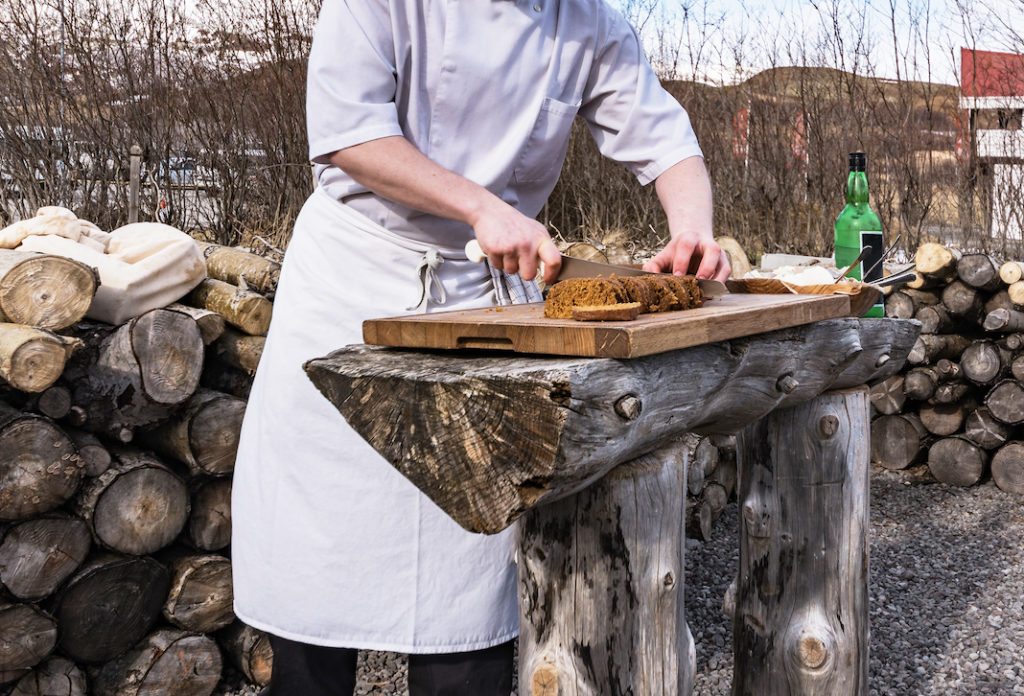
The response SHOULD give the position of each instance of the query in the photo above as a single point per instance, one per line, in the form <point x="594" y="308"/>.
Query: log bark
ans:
<point x="936" y="263"/>
<point x="962" y="301"/>
<point x="43" y="290"/>
<point x="898" y="305"/>
<point x="957" y="461"/>
<point x="979" y="271"/>
<point x="1008" y="467"/>
<point x="249" y="651"/>
<point x="219" y="376"/>
<point x="801" y="619"/>
<point x="137" y="374"/>
<point x="1006" y="401"/>
<point x="240" y="350"/>
<point x="27" y="636"/>
<point x="39" y="466"/>
<point x="242" y="268"/>
<point x="1004" y="320"/>
<point x="703" y="462"/>
<point x="137" y="506"/>
<point x="622" y="538"/>
<point x="929" y="348"/>
<point x="32" y="359"/>
<point x="984" y="362"/>
<point x="200" y="596"/>
<point x="209" y="522"/>
<point x="1016" y="292"/>
<point x="949" y="369"/>
<point x="168" y="662"/>
<point x="888" y="395"/>
<point x="53" y="402"/>
<point x="898" y="441"/>
<point x="942" y="419"/>
<point x="93" y="454"/>
<point x="935" y="320"/>
<point x="920" y="383"/>
<point x="1010" y="272"/>
<point x="982" y="428"/>
<point x="246" y="310"/>
<point x="999" y="300"/>
<point x="56" y="676"/>
<point x="480" y="404"/>
<point x="37" y="555"/>
<point x="203" y="435"/>
<point x="109" y="605"/>
<point x="950" y="392"/>
<point x="211" y="324"/>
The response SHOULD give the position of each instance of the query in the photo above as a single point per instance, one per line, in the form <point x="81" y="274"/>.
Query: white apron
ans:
<point x="330" y="544"/>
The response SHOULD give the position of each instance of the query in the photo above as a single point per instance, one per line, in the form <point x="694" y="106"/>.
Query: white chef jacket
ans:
<point x="331" y="546"/>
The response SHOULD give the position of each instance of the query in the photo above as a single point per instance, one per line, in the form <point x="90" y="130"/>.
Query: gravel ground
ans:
<point x="947" y="596"/>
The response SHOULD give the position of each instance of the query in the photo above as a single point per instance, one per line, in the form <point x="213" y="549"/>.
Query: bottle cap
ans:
<point x="858" y="161"/>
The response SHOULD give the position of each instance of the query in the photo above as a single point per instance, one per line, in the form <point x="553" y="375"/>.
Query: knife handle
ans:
<point x="473" y="251"/>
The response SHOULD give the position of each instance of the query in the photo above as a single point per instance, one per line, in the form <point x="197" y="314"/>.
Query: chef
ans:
<point x="430" y="122"/>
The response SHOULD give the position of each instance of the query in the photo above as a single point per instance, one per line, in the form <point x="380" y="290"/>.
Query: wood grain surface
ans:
<point x="524" y="329"/>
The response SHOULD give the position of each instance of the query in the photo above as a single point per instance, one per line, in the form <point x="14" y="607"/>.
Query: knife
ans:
<point x="573" y="267"/>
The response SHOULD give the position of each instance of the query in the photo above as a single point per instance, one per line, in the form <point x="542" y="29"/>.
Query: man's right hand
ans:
<point x="394" y="169"/>
<point x="514" y="242"/>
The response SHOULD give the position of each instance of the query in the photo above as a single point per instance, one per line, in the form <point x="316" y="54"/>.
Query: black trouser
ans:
<point x="312" y="670"/>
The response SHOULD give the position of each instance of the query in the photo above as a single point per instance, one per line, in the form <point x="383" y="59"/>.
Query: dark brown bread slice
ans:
<point x="621" y="311"/>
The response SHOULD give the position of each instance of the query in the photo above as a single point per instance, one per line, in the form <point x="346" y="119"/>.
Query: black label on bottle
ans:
<point x="873" y="257"/>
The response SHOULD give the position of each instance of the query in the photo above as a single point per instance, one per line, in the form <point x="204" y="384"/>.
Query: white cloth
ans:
<point x="330" y="544"/>
<point x="146" y="265"/>
<point x="488" y="89"/>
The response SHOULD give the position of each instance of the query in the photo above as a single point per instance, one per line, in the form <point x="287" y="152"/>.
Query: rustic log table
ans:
<point x="586" y="452"/>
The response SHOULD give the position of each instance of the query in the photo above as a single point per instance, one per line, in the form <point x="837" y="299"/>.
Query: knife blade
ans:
<point x="573" y="267"/>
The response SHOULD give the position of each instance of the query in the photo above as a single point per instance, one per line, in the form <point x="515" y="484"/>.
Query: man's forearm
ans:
<point x="394" y="169"/>
<point x="684" y="190"/>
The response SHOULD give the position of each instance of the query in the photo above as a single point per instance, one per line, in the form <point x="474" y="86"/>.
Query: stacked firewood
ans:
<point x="959" y="403"/>
<point x="710" y="483"/>
<point x="116" y="449"/>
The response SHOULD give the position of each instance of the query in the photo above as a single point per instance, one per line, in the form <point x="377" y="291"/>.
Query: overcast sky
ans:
<point x="721" y="36"/>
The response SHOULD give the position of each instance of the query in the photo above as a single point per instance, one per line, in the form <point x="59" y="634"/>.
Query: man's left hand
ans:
<point x="691" y="254"/>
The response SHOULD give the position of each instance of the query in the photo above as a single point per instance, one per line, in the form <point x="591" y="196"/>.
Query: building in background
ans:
<point x="992" y="101"/>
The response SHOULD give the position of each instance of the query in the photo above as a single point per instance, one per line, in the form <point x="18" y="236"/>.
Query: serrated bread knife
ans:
<point x="579" y="268"/>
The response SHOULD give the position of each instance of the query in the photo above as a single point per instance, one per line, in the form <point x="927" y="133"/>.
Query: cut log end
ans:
<point x="46" y="291"/>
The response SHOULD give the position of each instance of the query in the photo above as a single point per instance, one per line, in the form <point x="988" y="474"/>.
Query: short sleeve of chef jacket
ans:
<point x="633" y="118"/>
<point x="350" y="89"/>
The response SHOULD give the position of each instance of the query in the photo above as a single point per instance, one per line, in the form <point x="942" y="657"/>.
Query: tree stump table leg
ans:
<point x="601" y="586"/>
<point x="800" y="624"/>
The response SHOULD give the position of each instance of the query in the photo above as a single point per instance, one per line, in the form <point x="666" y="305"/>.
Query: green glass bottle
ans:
<point x="859" y="226"/>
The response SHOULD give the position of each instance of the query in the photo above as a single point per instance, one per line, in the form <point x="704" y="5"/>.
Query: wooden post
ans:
<point x="601" y="586"/>
<point x="801" y="619"/>
<point x="134" y="182"/>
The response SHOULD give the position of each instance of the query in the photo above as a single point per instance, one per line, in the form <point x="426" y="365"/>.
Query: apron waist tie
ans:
<point x="427" y="270"/>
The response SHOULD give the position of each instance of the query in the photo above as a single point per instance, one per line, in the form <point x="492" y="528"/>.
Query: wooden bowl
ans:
<point x="862" y="295"/>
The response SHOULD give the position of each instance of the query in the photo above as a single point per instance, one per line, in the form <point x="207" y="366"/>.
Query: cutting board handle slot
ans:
<point x="483" y="342"/>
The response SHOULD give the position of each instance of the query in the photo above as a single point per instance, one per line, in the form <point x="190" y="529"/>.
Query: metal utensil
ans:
<point x="884" y="255"/>
<point x="579" y="268"/>
<point x="860" y="257"/>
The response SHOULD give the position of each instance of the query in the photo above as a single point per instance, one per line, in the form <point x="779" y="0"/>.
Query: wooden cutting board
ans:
<point x="524" y="329"/>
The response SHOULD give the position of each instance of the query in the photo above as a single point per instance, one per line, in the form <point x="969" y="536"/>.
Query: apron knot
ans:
<point x="429" y="263"/>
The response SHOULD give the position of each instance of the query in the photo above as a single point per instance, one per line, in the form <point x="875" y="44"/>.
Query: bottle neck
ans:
<point x="857" y="188"/>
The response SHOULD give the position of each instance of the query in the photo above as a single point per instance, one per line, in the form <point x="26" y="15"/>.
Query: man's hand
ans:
<point x="394" y="169"/>
<point x="685" y="193"/>
<point x="691" y="255"/>
<point x="514" y="242"/>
